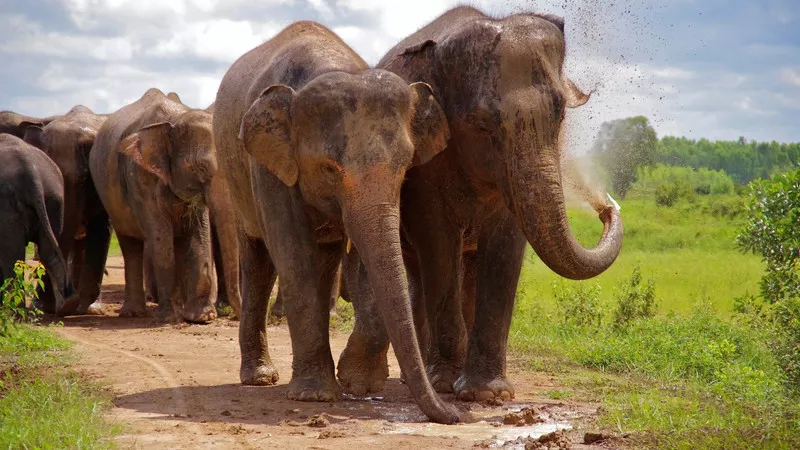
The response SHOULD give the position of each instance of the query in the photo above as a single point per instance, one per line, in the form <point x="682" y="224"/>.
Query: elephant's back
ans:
<point x="25" y="170"/>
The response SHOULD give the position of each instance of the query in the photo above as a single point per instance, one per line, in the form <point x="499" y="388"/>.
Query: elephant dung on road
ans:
<point x="308" y="135"/>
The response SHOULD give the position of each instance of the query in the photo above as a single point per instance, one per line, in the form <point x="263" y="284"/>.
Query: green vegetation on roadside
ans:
<point x="675" y="365"/>
<point x="43" y="403"/>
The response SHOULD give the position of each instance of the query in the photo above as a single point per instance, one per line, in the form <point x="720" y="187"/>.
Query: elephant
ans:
<point x="313" y="141"/>
<point x="152" y="164"/>
<point x="467" y="214"/>
<point x="227" y="292"/>
<point x="31" y="210"/>
<point x="67" y="140"/>
<point x="15" y="124"/>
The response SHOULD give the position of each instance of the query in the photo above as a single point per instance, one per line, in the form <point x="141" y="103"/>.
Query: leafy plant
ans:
<point x="635" y="300"/>
<point x="16" y="292"/>
<point x="579" y="305"/>
<point x="772" y="230"/>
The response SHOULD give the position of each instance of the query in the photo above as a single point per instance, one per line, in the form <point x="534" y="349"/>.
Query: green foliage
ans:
<point x="635" y="300"/>
<point x="743" y="161"/>
<point x="579" y="304"/>
<point x="622" y="147"/>
<point x="43" y="404"/>
<point x="668" y="184"/>
<point x="16" y="292"/>
<point x="773" y="231"/>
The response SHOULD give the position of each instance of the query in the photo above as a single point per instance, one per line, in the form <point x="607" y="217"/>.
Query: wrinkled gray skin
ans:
<point x="152" y="163"/>
<point x="313" y="141"/>
<point x="16" y="124"/>
<point x="226" y="259"/>
<point x="67" y="140"/>
<point x="31" y="210"/>
<point x="497" y="185"/>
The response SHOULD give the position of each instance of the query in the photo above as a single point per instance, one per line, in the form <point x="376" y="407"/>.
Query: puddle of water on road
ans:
<point x="479" y="431"/>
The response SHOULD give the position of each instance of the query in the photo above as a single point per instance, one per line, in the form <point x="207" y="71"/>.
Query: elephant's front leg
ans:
<point x="132" y="253"/>
<point x="98" y="237"/>
<point x="258" y="278"/>
<point x="160" y="248"/>
<point x="363" y="367"/>
<point x="438" y="246"/>
<point x="306" y="273"/>
<point x="501" y="248"/>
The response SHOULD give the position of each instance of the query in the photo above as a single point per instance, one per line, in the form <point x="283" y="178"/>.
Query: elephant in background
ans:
<point x="68" y="140"/>
<point x="152" y="164"/>
<point x="15" y="124"/>
<point x="497" y="185"/>
<point x="311" y="139"/>
<point x="31" y="210"/>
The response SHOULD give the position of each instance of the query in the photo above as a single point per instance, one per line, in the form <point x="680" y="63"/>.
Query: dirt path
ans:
<point x="178" y="387"/>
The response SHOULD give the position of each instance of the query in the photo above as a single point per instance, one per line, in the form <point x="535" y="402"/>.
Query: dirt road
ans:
<point x="178" y="387"/>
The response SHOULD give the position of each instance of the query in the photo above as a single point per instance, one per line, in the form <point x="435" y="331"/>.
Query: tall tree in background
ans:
<point x="622" y="146"/>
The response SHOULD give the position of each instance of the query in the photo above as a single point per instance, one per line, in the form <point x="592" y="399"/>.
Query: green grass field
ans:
<point x="694" y="375"/>
<point x="44" y="404"/>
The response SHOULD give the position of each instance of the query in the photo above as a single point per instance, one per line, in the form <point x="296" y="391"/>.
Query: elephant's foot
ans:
<point x="362" y="370"/>
<point x="258" y="374"/>
<point x="95" y="309"/>
<point x="314" y="389"/>
<point x="130" y="309"/>
<point x="70" y="307"/>
<point x="480" y="389"/>
<point x="443" y="375"/>
<point x="203" y="314"/>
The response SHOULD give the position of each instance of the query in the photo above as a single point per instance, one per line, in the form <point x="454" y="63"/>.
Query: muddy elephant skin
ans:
<point x="308" y="135"/>
<point x="152" y="163"/>
<point x="16" y="124"/>
<point x="497" y="185"/>
<point x="31" y="210"/>
<point x="67" y="140"/>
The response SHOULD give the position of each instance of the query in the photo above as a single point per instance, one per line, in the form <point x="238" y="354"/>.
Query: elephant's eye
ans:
<point x="331" y="169"/>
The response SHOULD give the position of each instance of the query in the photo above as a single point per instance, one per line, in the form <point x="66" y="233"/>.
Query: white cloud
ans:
<point x="790" y="76"/>
<point x="219" y="40"/>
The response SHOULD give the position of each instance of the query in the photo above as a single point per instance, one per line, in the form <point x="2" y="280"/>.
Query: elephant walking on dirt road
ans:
<point x="152" y="164"/>
<point x="497" y="185"/>
<point x="67" y="140"/>
<point x="308" y="135"/>
<point x="31" y="210"/>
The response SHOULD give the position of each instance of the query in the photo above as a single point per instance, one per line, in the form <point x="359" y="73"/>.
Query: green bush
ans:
<point x="635" y="300"/>
<point x="578" y="305"/>
<point x="16" y="292"/>
<point x="773" y="231"/>
<point x="670" y="183"/>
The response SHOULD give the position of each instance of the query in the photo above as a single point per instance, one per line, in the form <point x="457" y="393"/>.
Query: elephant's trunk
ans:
<point x="374" y="228"/>
<point x="536" y="196"/>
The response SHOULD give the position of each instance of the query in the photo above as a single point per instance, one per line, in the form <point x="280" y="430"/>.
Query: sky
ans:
<point x="715" y="69"/>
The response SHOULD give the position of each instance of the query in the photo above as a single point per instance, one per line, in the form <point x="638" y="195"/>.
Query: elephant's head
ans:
<point x="180" y="153"/>
<point x="505" y="95"/>
<point x="345" y="139"/>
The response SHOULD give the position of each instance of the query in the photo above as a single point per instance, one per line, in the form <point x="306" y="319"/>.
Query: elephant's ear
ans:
<point x="34" y="134"/>
<point x="267" y="132"/>
<point x="429" y="129"/>
<point x="575" y="97"/>
<point x="149" y="148"/>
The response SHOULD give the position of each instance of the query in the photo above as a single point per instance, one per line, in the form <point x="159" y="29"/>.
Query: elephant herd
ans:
<point x="416" y="183"/>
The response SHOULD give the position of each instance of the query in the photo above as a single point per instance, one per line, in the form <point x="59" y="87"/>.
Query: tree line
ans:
<point x="625" y="147"/>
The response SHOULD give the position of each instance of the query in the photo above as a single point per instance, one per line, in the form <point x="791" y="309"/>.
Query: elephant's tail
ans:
<point x="49" y="251"/>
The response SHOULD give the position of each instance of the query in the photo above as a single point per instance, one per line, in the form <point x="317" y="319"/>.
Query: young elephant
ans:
<point x="152" y="163"/>
<point x="31" y="210"/>
<point x="67" y="140"/>
<point x="308" y="135"/>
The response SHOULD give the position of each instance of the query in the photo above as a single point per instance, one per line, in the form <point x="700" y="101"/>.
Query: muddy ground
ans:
<point x="178" y="387"/>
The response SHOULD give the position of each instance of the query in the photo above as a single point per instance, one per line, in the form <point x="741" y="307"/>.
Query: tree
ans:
<point x="773" y="230"/>
<point x="622" y="147"/>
